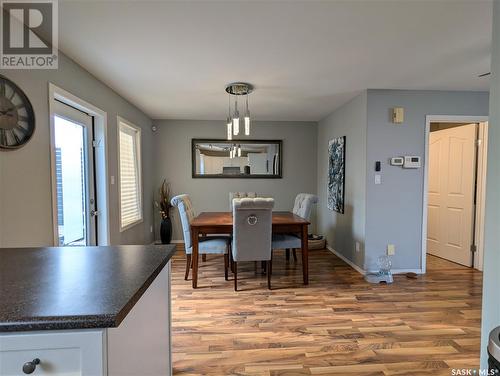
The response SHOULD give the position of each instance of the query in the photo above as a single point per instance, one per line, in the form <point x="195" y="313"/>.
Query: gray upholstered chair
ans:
<point x="252" y="233"/>
<point x="233" y="195"/>
<point x="206" y="245"/>
<point x="302" y="207"/>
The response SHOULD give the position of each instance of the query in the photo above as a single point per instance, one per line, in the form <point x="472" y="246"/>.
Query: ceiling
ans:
<point x="305" y="58"/>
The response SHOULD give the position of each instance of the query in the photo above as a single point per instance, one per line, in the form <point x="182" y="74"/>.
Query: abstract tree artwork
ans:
<point x="336" y="174"/>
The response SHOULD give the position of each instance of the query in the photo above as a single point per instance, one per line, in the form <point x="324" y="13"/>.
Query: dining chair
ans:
<point x="252" y="233"/>
<point x="302" y="207"/>
<point x="233" y="195"/>
<point x="207" y="245"/>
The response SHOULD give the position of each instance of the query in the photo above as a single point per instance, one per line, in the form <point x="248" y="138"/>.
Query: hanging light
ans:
<point x="247" y="120"/>
<point x="236" y="89"/>
<point x="229" y="121"/>
<point x="229" y="129"/>
<point x="236" y="119"/>
<point x="239" y="150"/>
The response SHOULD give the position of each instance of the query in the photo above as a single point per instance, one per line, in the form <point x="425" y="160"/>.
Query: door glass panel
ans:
<point x="70" y="143"/>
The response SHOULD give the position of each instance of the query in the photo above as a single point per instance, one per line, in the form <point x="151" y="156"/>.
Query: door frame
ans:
<point x="481" y="186"/>
<point x="100" y="159"/>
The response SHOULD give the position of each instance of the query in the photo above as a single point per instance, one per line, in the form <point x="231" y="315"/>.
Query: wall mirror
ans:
<point x="237" y="158"/>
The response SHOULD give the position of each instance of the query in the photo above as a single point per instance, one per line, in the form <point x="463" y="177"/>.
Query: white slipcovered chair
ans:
<point x="233" y="195"/>
<point x="302" y="207"/>
<point x="252" y="233"/>
<point x="206" y="245"/>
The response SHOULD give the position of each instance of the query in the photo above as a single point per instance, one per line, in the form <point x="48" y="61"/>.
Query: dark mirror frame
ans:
<point x="196" y="141"/>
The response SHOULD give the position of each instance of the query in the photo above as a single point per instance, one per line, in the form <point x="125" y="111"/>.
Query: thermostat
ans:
<point x="412" y="161"/>
<point x="397" y="161"/>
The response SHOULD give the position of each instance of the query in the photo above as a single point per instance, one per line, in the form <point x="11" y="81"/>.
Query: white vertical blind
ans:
<point x="130" y="175"/>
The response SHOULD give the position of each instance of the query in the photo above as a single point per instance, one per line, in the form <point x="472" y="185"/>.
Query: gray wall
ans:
<point x="491" y="277"/>
<point x="394" y="208"/>
<point x="25" y="182"/>
<point x="172" y="144"/>
<point x="344" y="230"/>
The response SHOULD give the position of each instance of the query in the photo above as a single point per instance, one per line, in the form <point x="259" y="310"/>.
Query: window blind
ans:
<point x="130" y="176"/>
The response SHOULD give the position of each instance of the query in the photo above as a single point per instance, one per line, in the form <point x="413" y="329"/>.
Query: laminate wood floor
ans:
<point x="338" y="325"/>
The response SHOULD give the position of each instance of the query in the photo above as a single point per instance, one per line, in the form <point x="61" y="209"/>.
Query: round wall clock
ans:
<point x="17" y="118"/>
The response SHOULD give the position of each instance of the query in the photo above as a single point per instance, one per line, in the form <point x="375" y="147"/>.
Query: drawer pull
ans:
<point x="30" y="367"/>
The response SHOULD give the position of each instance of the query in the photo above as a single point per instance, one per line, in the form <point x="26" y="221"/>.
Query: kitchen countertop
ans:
<point x="58" y="288"/>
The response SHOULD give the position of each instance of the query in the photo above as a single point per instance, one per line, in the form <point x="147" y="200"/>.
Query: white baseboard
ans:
<point x="364" y="272"/>
<point x="346" y="260"/>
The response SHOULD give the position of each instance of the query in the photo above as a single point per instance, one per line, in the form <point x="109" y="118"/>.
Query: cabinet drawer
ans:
<point x="61" y="353"/>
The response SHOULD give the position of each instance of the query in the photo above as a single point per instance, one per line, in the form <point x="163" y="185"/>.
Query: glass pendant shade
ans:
<point x="229" y="129"/>
<point x="247" y="124"/>
<point x="239" y="151"/>
<point x="236" y="119"/>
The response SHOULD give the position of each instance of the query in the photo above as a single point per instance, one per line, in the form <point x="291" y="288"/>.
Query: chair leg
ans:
<point x="235" y="276"/>
<point x="188" y="266"/>
<point x="204" y="258"/>
<point x="231" y="261"/>
<point x="269" y="271"/>
<point x="226" y="266"/>
<point x="294" y="255"/>
<point x="287" y="254"/>
<point x="263" y="264"/>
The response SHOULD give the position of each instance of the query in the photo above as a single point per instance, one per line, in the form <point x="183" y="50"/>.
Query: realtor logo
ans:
<point x="29" y="34"/>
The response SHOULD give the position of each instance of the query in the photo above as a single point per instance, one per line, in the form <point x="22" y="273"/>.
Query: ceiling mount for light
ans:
<point x="233" y="120"/>
<point x="239" y="88"/>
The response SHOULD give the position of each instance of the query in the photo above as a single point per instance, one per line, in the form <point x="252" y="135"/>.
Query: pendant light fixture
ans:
<point x="247" y="120"/>
<point x="236" y="118"/>
<point x="233" y="121"/>
<point x="239" y="150"/>
<point x="229" y="122"/>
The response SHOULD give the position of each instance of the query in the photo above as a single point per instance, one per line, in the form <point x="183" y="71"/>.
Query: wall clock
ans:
<point x="17" y="118"/>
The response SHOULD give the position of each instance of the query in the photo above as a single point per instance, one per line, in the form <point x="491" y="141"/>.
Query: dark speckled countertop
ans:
<point x="75" y="287"/>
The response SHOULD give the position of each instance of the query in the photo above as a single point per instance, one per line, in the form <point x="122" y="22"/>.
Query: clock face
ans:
<point x="17" y="118"/>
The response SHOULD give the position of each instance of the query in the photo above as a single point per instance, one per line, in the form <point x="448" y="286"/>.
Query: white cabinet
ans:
<point x="62" y="353"/>
<point x="140" y="345"/>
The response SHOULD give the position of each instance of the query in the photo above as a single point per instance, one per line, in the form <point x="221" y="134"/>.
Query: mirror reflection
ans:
<point x="237" y="158"/>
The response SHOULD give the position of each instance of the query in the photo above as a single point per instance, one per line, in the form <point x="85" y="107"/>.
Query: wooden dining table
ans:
<point x="208" y="223"/>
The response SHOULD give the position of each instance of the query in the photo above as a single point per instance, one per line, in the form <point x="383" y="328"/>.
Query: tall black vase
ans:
<point x="166" y="231"/>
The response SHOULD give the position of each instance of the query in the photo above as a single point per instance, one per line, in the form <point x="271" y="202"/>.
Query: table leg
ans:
<point x="305" y="255"/>
<point x="194" y="242"/>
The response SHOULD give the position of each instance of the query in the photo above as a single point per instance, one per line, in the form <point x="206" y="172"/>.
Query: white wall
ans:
<point x="344" y="230"/>
<point x="172" y="144"/>
<point x="25" y="177"/>
<point x="491" y="276"/>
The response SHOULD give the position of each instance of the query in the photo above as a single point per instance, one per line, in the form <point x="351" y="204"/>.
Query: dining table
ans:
<point x="210" y="223"/>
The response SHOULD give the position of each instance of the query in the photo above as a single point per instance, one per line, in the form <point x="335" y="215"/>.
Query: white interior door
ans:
<point x="452" y="164"/>
<point x="74" y="172"/>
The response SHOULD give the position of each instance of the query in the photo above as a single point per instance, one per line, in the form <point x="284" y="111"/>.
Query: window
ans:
<point x="129" y="156"/>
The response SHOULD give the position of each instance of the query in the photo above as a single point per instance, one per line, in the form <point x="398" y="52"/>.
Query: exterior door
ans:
<point x="452" y="175"/>
<point x="74" y="176"/>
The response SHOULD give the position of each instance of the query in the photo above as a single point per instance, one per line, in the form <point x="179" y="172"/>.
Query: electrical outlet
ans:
<point x="391" y="249"/>
<point x="358" y="247"/>
<point x="378" y="179"/>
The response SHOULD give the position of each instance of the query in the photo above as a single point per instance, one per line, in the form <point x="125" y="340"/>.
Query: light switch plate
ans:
<point x="391" y="249"/>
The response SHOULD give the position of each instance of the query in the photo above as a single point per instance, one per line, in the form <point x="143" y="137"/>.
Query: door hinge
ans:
<point x="94" y="213"/>
<point x="96" y="143"/>
<point x="473" y="248"/>
<point x="479" y="142"/>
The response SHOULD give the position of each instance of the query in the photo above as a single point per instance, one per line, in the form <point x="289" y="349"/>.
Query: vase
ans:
<point x="166" y="231"/>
